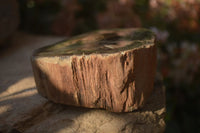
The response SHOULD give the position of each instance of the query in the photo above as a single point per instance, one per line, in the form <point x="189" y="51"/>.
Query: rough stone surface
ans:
<point x="9" y="19"/>
<point x="22" y="109"/>
<point x="110" y="69"/>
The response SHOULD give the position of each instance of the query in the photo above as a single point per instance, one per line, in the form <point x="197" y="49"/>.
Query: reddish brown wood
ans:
<point x="118" y="75"/>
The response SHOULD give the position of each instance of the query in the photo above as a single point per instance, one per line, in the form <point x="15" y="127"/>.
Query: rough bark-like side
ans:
<point x="119" y="82"/>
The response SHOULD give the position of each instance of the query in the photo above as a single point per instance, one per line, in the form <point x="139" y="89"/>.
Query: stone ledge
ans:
<point x="50" y="117"/>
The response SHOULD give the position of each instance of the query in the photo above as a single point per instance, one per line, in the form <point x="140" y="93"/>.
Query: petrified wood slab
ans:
<point x="23" y="110"/>
<point x="110" y="69"/>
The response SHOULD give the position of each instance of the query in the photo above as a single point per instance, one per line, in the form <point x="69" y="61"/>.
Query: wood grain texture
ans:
<point x="109" y="69"/>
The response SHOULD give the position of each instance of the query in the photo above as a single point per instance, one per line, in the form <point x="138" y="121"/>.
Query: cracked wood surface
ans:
<point x="22" y="109"/>
<point x="109" y="69"/>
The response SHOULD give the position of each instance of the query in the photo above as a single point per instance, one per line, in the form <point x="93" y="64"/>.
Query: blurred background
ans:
<point x="176" y="24"/>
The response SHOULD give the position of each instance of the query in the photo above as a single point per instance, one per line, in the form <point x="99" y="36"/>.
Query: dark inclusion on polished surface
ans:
<point x="108" y="41"/>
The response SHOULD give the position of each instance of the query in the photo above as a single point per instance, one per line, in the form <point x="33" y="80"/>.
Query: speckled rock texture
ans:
<point x="23" y="110"/>
<point x="109" y="69"/>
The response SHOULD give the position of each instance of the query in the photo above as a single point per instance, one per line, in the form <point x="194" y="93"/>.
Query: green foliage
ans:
<point x="87" y="14"/>
<point x="37" y="17"/>
<point x="141" y="7"/>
